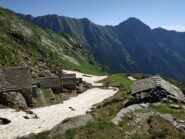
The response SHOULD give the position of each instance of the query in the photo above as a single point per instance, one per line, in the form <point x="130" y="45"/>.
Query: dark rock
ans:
<point x="30" y="114"/>
<point x="4" y="121"/>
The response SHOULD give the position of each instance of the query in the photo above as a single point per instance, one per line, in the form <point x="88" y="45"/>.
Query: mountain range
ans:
<point x="129" y="47"/>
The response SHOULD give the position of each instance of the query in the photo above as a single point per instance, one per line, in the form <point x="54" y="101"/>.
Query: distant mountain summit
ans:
<point x="131" y="46"/>
<point x="133" y="25"/>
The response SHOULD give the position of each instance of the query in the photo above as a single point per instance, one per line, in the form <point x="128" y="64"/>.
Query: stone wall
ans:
<point x="15" y="79"/>
<point x="18" y="80"/>
<point x="50" y="82"/>
<point x="69" y="81"/>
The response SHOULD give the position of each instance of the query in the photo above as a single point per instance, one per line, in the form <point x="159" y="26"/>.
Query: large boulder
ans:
<point x="70" y="123"/>
<point x="13" y="99"/>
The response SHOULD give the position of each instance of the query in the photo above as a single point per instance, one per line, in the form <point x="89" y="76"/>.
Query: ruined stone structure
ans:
<point x="80" y="86"/>
<point x="79" y="80"/>
<point x="15" y="79"/>
<point x="50" y="82"/>
<point x="16" y="87"/>
<point x="154" y="89"/>
<point x="69" y="81"/>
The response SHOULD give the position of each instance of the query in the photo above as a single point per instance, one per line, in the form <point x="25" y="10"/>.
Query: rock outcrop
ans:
<point x="123" y="112"/>
<point x="69" y="123"/>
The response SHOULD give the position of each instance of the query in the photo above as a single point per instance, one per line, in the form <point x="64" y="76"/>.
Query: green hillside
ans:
<point x="25" y="44"/>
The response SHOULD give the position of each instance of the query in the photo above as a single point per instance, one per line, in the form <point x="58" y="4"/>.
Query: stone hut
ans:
<point x="154" y="89"/>
<point x="69" y="81"/>
<point x="15" y="80"/>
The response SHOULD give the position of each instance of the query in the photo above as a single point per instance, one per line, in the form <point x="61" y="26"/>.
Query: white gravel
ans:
<point x="52" y="115"/>
<point x="86" y="77"/>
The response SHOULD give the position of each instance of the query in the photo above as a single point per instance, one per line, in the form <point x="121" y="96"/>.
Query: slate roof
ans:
<point x="143" y="85"/>
<point x="157" y="82"/>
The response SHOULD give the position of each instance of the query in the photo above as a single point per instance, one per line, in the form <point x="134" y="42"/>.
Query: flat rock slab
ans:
<point x="127" y="110"/>
<point x="50" y="116"/>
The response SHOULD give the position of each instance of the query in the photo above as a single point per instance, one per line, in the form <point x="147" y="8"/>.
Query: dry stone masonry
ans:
<point x="15" y="87"/>
<point x="69" y="81"/>
<point x="154" y="89"/>
<point x="50" y="82"/>
<point x="15" y="79"/>
<point x="17" y="83"/>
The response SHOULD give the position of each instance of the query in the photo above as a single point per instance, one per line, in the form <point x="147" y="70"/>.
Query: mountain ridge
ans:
<point x="130" y="46"/>
<point x="106" y="25"/>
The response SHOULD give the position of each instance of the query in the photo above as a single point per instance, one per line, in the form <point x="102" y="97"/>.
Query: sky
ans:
<point x="169" y="14"/>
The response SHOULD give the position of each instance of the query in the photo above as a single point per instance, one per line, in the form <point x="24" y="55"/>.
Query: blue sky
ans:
<point x="169" y="14"/>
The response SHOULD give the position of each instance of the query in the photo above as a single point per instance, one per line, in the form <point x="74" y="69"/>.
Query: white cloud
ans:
<point x="179" y="28"/>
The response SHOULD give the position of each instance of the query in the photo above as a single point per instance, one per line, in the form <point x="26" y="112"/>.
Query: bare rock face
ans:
<point x="154" y="89"/>
<point x="13" y="99"/>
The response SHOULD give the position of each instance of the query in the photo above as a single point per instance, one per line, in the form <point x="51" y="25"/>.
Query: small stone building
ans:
<point x="69" y="81"/>
<point x="154" y="89"/>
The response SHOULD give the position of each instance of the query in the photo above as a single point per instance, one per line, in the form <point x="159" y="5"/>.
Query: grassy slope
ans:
<point x="25" y="44"/>
<point x="102" y="128"/>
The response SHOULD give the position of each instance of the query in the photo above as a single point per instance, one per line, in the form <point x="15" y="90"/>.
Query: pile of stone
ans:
<point x="154" y="89"/>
